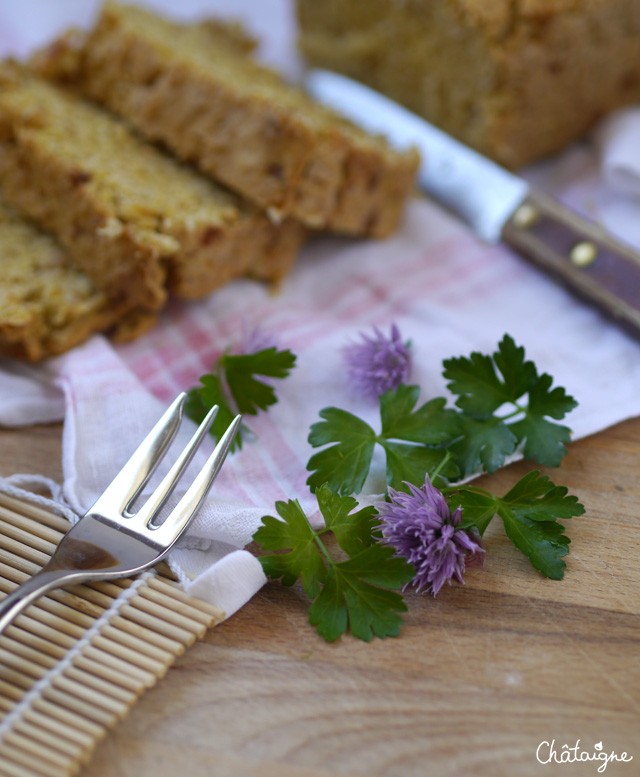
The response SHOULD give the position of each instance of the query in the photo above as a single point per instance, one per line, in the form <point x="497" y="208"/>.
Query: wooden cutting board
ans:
<point x="479" y="678"/>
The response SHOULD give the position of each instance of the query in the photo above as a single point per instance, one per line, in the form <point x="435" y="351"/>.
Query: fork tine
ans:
<point x="132" y="478"/>
<point x="155" y="502"/>
<point x="171" y="529"/>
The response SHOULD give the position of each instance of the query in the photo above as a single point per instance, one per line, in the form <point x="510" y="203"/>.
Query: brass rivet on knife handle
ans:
<point x="526" y="216"/>
<point x="588" y="260"/>
<point x="583" y="253"/>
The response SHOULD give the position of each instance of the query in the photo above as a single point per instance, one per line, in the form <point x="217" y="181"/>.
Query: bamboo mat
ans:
<point x="74" y="662"/>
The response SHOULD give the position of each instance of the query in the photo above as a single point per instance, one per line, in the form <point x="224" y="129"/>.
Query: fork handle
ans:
<point x="43" y="581"/>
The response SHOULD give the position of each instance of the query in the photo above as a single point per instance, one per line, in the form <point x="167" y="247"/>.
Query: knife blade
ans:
<point x="497" y="204"/>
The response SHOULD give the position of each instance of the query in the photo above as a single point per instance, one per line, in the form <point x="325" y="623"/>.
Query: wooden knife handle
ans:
<point x="586" y="258"/>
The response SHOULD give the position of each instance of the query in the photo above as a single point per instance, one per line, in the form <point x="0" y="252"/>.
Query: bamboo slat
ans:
<point x="73" y="664"/>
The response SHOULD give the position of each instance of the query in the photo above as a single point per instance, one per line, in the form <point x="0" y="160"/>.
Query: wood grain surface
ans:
<point x="478" y="679"/>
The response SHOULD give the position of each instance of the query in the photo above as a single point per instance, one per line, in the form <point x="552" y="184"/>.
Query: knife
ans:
<point x="497" y="204"/>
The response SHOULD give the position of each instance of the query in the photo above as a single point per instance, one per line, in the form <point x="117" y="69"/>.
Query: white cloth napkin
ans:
<point x="448" y="293"/>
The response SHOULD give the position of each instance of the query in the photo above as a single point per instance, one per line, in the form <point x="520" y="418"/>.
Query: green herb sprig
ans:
<point x="529" y="512"/>
<point x="501" y="406"/>
<point x="505" y="403"/>
<point x="355" y="593"/>
<point x="234" y="386"/>
<point x="501" y="403"/>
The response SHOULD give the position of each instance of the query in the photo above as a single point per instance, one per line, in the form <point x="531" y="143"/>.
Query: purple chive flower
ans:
<point x="378" y="363"/>
<point x="422" y="529"/>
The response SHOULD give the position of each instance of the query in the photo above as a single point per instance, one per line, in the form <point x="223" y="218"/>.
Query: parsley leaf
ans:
<point x="200" y="400"/>
<point x="506" y="383"/>
<point x="352" y="530"/>
<point x="484" y="444"/>
<point x="250" y="394"/>
<point x="355" y="594"/>
<point x="484" y="383"/>
<point x="294" y="532"/>
<point x="545" y="441"/>
<point x="414" y="440"/>
<point x="409" y="463"/>
<point x="430" y="424"/>
<point x="345" y="465"/>
<point x="530" y="513"/>
<point x="349" y="600"/>
<point x="234" y="387"/>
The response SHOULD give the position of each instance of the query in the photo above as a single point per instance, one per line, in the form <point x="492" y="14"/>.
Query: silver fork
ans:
<point x="111" y="541"/>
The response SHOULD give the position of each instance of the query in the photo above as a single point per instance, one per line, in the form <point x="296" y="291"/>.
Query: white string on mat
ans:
<point x="61" y="667"/>
<point x="22" y="486"/>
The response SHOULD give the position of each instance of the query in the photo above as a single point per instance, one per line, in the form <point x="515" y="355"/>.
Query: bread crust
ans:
<point x="517" y="81"/>
<point x="138" y="223"/>
<point x="197" y="90"/>
<point x="47" y="305"/>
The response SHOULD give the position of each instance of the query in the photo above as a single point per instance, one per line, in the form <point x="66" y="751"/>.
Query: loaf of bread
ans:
<point x="47" y="306"/>
<point x="517" y="81"/>
<point x="196" y="89"/>
<point x="137" y="222"/>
